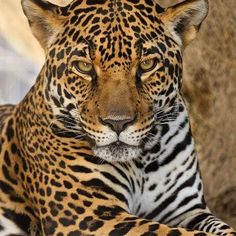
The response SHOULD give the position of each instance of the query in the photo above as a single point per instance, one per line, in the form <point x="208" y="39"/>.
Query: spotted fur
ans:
<point x="109" y="152"/>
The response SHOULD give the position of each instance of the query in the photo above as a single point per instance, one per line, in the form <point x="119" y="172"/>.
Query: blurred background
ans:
<point x="209" y="89"/>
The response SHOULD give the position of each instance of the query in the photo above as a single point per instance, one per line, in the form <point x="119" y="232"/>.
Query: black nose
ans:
<point x="118" y="125"/>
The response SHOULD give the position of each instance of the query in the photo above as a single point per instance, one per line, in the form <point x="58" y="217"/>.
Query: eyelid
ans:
<point x="146" y="58"/>
<point x="75" y="58"/>
<point x="82" y="75"/>
<point x="77" y="72"/>
<point x="158" y="65"/>
<point x="156" y="62"/>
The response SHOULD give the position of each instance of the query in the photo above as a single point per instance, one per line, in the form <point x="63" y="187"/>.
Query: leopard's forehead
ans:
<point x="115" y="31"/>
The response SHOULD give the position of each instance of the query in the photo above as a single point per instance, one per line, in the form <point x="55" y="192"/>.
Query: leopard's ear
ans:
<point x="184" y="19"/>
<point x="43" y="18"/>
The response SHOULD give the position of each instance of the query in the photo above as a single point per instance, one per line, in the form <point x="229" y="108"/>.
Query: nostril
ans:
<point x="118" y="125"/>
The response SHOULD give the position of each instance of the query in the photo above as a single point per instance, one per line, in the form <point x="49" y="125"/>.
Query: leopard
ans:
<point x="101" y="145"/>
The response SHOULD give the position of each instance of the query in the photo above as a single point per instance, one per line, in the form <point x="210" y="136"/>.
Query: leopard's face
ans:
<point x="112" y="74"/>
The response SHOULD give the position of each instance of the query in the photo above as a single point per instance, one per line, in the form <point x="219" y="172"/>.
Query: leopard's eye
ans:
<point x="147" y="65"/>
<point x="83" y="67"/>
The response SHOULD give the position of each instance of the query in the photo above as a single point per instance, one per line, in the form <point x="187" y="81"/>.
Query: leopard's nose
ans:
<point x="118" y="125"/>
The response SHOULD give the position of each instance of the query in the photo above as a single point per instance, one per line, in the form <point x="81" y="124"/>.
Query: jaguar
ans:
<point x="101" y="144"/>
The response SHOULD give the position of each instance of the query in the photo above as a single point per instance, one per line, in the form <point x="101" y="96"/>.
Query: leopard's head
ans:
<point x="113" y="68"/>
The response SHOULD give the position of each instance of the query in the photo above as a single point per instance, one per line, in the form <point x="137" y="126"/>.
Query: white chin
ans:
<point x="117" y="153"/>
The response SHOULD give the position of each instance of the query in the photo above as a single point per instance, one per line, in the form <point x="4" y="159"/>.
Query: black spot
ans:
<point x="159" y="9"/>
<point x="55" y="183"/>
<point x="152" y="167"/>
<point x="61" y="70"/>
<point x="152" y="187"/>
<point x="174" y="232"/>
<point x="66" y="221"/>
<point x="13" y="148"/>
<point x="75" y="233"/>
<point x="134" y="1"/>
<point x="7" y="175"/>
<point x="73" y="19"/>
<point x="74" y="196"/>
<point x="9" y="130"/>
<point x="56" y="101"/>
<point x="154" y="227"/>
<point x="92" y="2"/>
<point x="87" y="203"/>
<point x="107" y="213"/>
<point x="95" y="225"/>
<point x="60" y="54"/>
<point x="122" y="228"/>
<point x="7" y="159"/>
<point x="59" y="195"/>
<point x="67" y="184"/>
<point x="49" y="226"/>
<point x="52" y="53"/>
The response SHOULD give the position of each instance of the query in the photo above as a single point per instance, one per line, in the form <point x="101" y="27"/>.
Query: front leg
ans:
<point x="96" y="214"/>
<point x="207" y="222"/>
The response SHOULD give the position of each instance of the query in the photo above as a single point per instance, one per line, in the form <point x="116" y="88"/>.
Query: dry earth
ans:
<point x="209" y="87"/>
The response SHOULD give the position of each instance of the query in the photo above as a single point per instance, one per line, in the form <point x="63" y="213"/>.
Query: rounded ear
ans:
<point x="184" y="19"/>
<point x="43" y="19"/>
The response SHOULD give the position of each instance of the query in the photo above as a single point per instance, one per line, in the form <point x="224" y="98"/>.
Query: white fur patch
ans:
<point x="117" y="153"/>
<point x="9" y="228"/>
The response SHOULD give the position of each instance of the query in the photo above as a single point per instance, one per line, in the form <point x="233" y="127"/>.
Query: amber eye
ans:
<point x="147" y="65"/>
<point x="83" y="67"/>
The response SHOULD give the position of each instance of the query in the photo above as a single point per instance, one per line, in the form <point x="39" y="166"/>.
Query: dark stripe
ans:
<point x="178" y="217"/>
<point x="178" y="148"/>
<point x="165" y="129"/>
<point x="6" y="188"/>
<point x="181" y="126"/>
<point x="155" y="149"/>
<point x="172" y="198"/>
<point x="120" y="172"/>
<point x="81" y="147"/>
<point x="197" y="220"/>
<point x="80" y="169"/>
<point x="114" y="180"/>
<point x="97" y="183"/>
<point x="22" y="221"/>
<point x="158" y="197"/>
<point x="184" y="202"/>
<point x="84" y="193"/>
<point x="93" y="159"/>
<point x="132" y="185"/>
<point x="7" y="175"/>
<point x="181" y="174"/>
<point x="100" y="196"/>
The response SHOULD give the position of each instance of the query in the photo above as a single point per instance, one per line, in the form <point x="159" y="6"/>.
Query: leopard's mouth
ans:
<point x="117" y="152"/>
